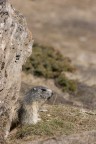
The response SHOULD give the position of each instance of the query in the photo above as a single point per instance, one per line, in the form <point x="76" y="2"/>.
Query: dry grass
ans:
<point x="58" y="120"/>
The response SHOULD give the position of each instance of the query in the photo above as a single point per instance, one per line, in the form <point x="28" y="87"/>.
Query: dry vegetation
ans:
<point x="49" y="63"/>
<point x="58" y="120"/>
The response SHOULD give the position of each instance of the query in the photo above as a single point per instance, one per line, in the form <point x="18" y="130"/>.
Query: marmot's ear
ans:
<point x="34" y="88"/>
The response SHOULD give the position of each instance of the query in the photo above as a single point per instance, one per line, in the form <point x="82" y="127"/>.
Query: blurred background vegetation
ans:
<point x="49" y="63"/>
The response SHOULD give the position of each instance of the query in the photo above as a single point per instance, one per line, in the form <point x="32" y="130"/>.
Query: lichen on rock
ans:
<point x="15" y="47"/>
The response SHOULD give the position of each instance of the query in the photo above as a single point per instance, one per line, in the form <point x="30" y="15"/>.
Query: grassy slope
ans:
<point x="58" y="120"/>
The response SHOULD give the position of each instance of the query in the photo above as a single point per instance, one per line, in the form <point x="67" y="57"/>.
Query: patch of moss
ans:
<point x="49" y="63"/>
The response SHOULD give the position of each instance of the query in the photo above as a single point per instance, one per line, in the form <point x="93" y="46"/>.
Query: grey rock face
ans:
<point x="15" y="47"/>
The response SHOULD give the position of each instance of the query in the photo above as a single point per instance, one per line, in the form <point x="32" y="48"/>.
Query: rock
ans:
<point x="15" y="47"/>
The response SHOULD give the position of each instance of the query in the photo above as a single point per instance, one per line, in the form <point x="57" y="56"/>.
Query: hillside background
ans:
<point x="70" y="28"/>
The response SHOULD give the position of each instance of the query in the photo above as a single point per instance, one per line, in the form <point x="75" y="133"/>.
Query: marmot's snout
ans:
<point x="50" y="94"/>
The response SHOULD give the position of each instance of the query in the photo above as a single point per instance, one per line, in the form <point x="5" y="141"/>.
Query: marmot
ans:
<point x="31" y="104"/>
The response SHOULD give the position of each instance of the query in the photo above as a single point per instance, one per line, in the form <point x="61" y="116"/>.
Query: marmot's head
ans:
<point x="38" y="93"/>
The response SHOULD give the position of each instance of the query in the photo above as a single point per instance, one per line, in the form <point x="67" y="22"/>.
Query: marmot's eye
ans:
<point x="43" y="89"/>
